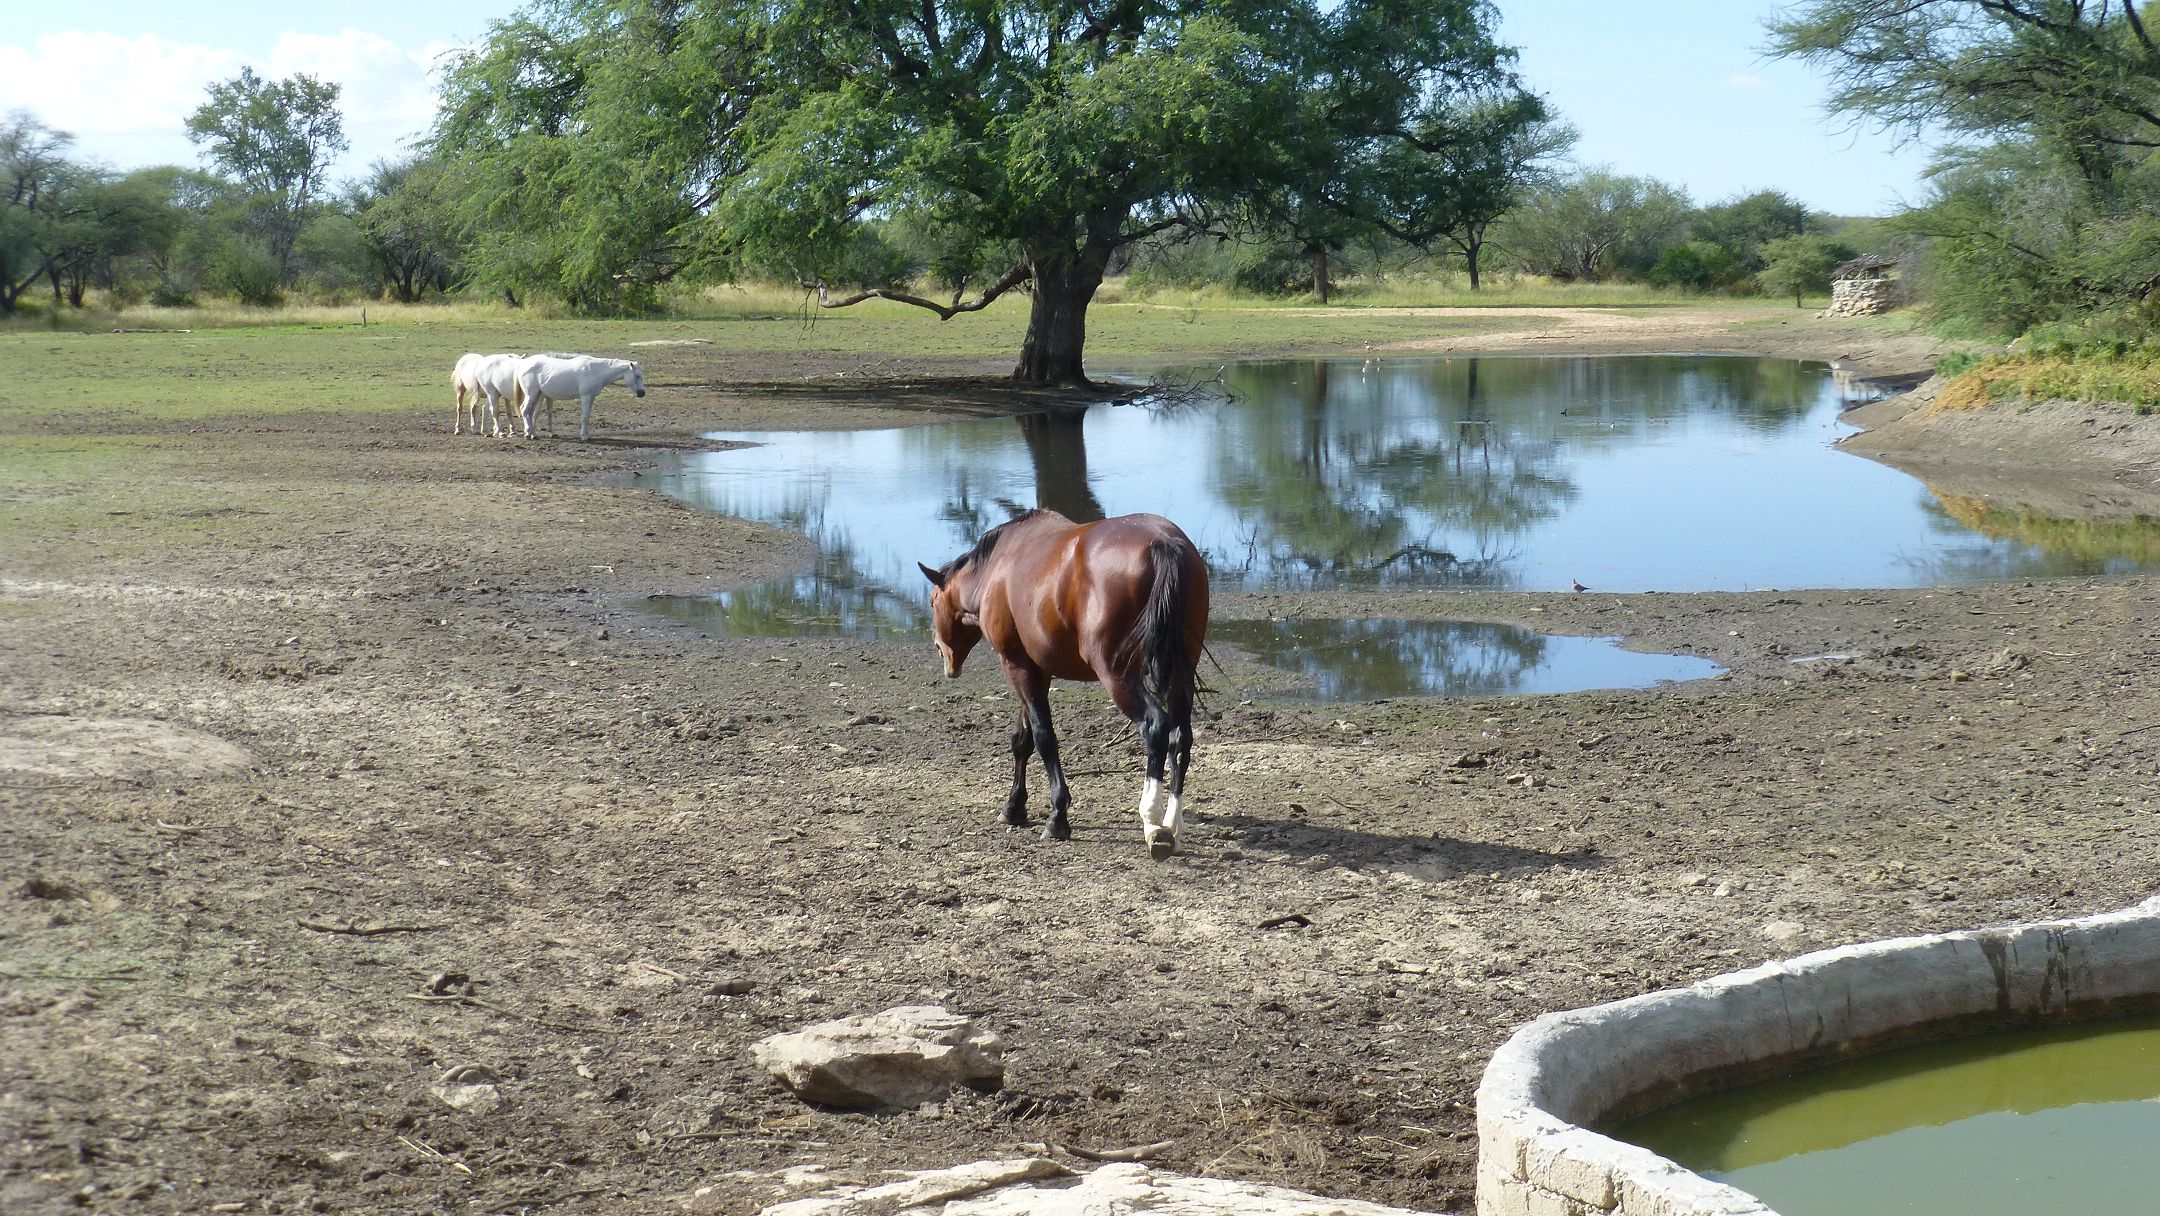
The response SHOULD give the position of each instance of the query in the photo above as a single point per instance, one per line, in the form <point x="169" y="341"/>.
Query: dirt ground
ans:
<point x="393" y="776"/>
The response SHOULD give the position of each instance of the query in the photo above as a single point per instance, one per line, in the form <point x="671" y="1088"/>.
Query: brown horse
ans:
<point x="1122" y="601"/>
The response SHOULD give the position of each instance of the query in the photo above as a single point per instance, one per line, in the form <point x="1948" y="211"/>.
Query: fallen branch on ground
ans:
<point x="1139" y="1152"/>
<point x="367" y="930"/>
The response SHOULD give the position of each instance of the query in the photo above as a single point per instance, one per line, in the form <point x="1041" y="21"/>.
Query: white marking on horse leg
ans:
<point x="1149" y="795"/>
<point x="584" y="418"/>
<point x="1174" y="817"/>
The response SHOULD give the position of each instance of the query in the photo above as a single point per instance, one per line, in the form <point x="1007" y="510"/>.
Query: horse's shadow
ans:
<point x="1428" y="857"/>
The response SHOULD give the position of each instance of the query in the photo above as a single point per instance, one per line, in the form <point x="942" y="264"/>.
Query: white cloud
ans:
<point x="100" y="85"/>
<point x="1743" y="80"/>
<point x="126" y="100"/>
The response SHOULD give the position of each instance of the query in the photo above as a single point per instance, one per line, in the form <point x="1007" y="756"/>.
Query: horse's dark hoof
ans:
<point x="1057" y="829"/>
<point x="1013" y="817"/>
<point x="1160" y="848"/>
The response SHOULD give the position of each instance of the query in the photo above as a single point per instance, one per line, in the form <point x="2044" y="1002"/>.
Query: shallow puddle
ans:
<point x="1336" y="660"/>
<point x="2059" y="1120"/>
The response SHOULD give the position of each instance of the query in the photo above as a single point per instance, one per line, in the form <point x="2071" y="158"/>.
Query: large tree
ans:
<point x="1065" y="131"/>
<point x="1014" y="144"/>
<point x="2044" y="207"/>
<point x="588" y="142"/>
<point x="409" y="223"/>
<point x="2083" y="74"/>
<point x="277" y="138"/>
<point x="34" y="178"/>
<point x="1469" y="161"/>
<point x="1596" y="223"/>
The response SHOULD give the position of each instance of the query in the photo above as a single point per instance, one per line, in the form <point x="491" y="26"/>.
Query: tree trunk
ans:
<point x="1057" y="320"/>
<point x="1470" y="251"/>
<point x="1320" y="284"/>
<point x="1057" y="446"/>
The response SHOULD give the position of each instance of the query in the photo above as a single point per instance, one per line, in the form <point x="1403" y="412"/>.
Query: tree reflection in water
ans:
<point x="1628" y="473"/>
<point x="1358" y="660"/>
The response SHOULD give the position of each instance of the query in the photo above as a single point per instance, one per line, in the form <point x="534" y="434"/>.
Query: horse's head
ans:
<point x="956" y="629"/>
<point x="636" y="380"/>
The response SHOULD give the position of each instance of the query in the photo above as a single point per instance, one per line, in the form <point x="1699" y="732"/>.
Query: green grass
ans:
<point x="404" y="363"/>
<point x="122" y="494"/>
<point x="2093" y="373"/>
<point x="226" y="360"/>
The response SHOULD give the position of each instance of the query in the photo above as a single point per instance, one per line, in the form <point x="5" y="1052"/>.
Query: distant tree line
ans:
<point x="944" y="153"/>
<point x="1585" y="225"/>
<point x="260" y="222"/>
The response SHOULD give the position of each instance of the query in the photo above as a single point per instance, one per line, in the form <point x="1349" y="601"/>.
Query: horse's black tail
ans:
<point x="1169" y="673"/>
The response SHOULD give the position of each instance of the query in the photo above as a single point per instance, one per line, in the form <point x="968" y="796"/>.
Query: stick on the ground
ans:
<point x="1138" y="1152"/>
<point x="368" y="930"/>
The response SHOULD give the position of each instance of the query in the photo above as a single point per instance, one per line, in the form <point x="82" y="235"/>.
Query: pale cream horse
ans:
<point x="482" y="378"/>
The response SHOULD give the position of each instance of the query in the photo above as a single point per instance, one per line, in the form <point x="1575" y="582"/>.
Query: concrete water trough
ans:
<point x="1566" y="1072"/>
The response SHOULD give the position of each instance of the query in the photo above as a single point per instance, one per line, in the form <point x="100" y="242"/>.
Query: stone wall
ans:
<point x="1565" y="1071"/>
<point x="1863" y="297"/>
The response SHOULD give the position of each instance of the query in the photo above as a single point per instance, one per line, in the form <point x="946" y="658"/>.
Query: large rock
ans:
<point x="899" y="1058"/>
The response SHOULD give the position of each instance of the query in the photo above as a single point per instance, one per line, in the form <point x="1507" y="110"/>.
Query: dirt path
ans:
<point x="388" y="727"/>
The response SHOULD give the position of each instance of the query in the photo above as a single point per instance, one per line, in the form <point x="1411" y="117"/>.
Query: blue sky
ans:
<point x="1676" y="89"/>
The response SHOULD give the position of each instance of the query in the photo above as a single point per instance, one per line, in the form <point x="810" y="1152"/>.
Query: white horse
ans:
<point x="553" y="378"/>
<point x="498" y="376"/>
<point x="466" y="379"/>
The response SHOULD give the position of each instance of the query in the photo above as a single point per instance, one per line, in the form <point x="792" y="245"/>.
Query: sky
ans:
<point x="1673" y="89"/>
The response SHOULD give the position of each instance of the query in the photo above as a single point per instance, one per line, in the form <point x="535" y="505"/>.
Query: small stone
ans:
<point x="468" y="1088"/>
<point x="732" y="987"/>
<point x="1784" y="932"/>
<point x="601" y="634"/>
<point x="1959" y="675"/>
<point x="1691" y="880"/>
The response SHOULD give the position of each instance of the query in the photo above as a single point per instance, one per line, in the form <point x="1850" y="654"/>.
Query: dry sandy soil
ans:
<point x="405" y="781"/>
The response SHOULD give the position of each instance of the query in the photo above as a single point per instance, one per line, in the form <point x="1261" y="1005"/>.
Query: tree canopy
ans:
<point x="277" y="139"/>
<point x="1020" y="142"/>
<point x="2043" y="208"/>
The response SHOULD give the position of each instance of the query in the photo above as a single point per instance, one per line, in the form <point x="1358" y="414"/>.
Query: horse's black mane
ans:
<point x="989" y="540"/>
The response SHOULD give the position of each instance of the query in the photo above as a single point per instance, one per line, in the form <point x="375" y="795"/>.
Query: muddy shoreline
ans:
<point x="394" y="716"/>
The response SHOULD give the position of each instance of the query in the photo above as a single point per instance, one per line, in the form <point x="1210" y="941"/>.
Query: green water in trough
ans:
<point x="2064" y="1120"/>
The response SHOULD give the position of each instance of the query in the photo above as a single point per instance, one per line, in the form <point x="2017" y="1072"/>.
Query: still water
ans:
<point x="2061" y="1120"/>
<point x="1623" y="473"/>
<point x="1346" y="660"/>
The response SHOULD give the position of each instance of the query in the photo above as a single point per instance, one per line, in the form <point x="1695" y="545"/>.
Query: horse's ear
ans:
<point x="936" y="577"/>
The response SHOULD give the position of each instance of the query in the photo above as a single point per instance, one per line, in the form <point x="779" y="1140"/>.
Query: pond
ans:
<point x="1622" y="473"/>
<point x="1360" y="660"/>
<point x="2056" y="1120"/>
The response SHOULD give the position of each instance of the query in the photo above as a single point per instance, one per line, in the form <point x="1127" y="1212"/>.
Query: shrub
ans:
<point x="244" y="270"/>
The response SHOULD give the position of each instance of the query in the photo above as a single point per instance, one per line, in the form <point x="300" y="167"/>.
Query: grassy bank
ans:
<point x="2093" y="373"/>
